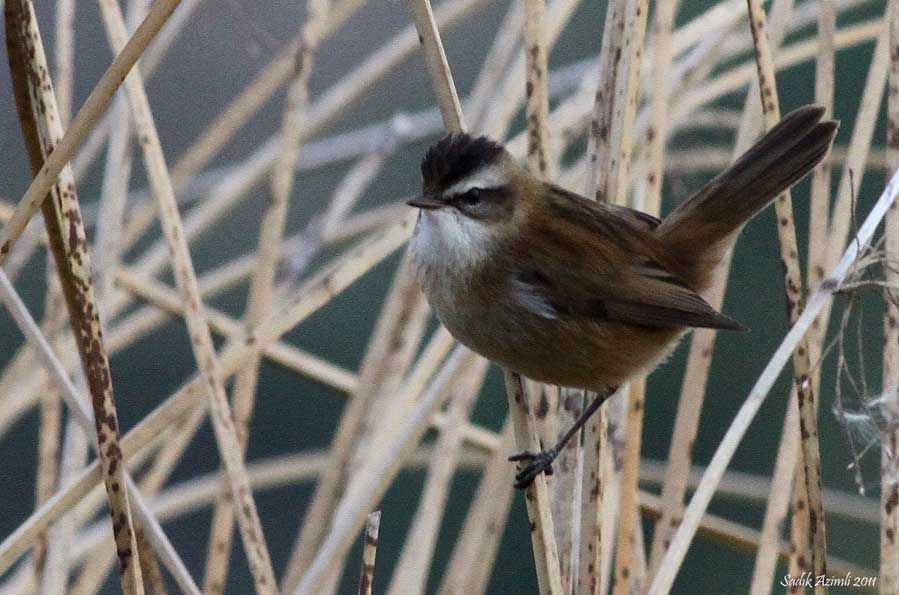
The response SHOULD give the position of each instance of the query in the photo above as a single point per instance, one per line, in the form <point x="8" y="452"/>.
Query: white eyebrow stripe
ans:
<point x="488" y="176"/>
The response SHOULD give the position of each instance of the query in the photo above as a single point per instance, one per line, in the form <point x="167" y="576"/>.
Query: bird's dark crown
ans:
<point x="454" y="157"/>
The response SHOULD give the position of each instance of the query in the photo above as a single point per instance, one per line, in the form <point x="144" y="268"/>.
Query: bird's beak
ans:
<point x="426" y="202"/>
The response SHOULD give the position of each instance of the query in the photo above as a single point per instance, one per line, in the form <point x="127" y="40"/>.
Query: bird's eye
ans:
<point x="472" y="196"/>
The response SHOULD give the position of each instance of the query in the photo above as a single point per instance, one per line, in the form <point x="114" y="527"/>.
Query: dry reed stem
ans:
<point x="819" y="204"/>
<point x="64" y="44"/>
<point x="889" y="450"/>
<point x="42" y="129"/>
<point x="628" y="578"/>
<point x="474" y="553"/>
<point x="627" y="88"/>
<point x="86" y="118"/>
<point x="657" y="135"/>
<point x="855" y="161"/>
<point x="435" y="59"/>
<point x="725" y="451"/>
<point x="789" y="253"/>
<point x="506" y="101"/>
<point x="599" y="147"/>
<point x="371" y="482"/>
<point x="596" y="455"/>
<point x="262" y="283"/>
<point x="610" y="145"/>
<point x="113" y="197"/>
<point x="50" y="424"/>
<point x="114" y="188"/>
<point x="542" y="164"/>
<point x="562" y="412"/>
<point x="411" y="572"/>
<point x="369" y="551"/>
<point x="818" y="228"/>
<point x="546" y="555"/>
<point x="198" y="328"/>
<point x="539" y="158"/>
<point x="75" y="454"/>
<point x="48" y="461"/>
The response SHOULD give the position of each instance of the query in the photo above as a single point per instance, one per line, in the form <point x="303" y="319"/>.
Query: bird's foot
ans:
<point x="541" y="462"/>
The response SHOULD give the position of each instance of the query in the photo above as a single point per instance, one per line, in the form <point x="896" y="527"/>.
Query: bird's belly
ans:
<point x="574" y="353"/>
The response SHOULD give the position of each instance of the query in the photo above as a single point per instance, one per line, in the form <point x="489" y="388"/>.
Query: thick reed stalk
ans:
<point x="42" y="129"/>
<point x="537" y="91"/>
<point x="596" y="455"/>
<point x="818" y="229"/>
<point x="789" y="253"/>
<point x="889" y="450"/>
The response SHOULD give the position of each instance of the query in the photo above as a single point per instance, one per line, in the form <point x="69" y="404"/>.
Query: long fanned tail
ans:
<point x="702" y="226"/>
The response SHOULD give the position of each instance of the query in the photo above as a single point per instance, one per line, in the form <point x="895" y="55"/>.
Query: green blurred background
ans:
<point x="214" y="57"/>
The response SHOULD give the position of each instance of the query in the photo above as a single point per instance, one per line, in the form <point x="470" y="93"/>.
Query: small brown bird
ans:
<point x="578" y="293"/>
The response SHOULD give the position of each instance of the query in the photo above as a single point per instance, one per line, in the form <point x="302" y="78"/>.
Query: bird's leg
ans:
<point x="541" y="462"/>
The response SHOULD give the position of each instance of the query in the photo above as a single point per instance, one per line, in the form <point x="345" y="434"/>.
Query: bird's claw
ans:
<point x="540" y="462"/>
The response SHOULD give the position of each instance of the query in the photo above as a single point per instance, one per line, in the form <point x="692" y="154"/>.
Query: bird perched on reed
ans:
<point x="579" y="293"/>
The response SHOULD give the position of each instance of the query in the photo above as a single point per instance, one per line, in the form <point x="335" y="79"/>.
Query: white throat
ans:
<point x="447" y="242"/>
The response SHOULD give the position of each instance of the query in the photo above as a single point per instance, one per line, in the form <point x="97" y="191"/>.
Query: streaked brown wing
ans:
<point x="591" y="261"/>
